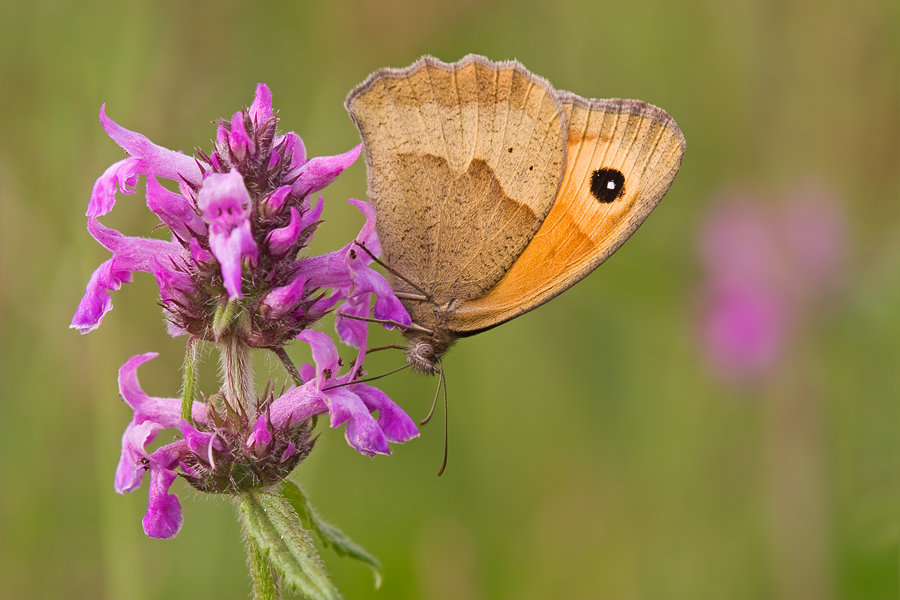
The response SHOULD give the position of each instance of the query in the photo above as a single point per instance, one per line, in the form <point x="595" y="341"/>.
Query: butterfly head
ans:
<point x="421" y="357"/>
<point x="424" y="351"/>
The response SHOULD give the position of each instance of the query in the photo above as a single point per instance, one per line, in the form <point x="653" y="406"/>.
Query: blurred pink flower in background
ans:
<point x="766" y="265"/>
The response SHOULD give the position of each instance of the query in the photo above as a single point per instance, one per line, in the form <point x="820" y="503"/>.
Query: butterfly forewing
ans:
<point x="622" y="157"/>
<point x="464" y="162"/>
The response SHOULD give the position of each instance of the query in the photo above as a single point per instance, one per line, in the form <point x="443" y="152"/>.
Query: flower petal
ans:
<point x="280" y="240"/>
<point x="156" y="159"/>
<point x="198" y="253"/>
<point x="294" y="147"/>
<point x="283" y="300"/>
<point x="393" y="421"/>
<point x="271" y="204"/>
<point x="130" y="470"/>
<point x="297" y="404"/>
<point x="362" y="431"/>
<point x="174" y="210"/>
<point x="324" y="354"/>
<point x="353" y="332"/>
<point x="261" y="109"/>
<point x="122" y="175"/>
<point x="164" y="411"/>
<point x="313" y="213"/>
<point x="320" y="171"/>
<point x="134" y="253"/>
<point x="387" y="306"/>
<point x="163" y="519"/>
<point x="96" y="301"/>
<point x="258" y="441"/>
<point x="240" y="143"/>
<point x="228" y="250"/>
<point x="225" y="204"/>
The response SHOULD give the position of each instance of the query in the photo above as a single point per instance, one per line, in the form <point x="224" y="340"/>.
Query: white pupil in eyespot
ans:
<point x="610" y="185"/>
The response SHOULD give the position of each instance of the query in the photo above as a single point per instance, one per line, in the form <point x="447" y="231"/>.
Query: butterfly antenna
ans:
<point x="392" y="323"/>
<point x="337" y="385"/>
<point x="388" y="347"/>
<point x="437" y="393"/>
<point x="444" y="381"/>
<point x="424" y="295"/>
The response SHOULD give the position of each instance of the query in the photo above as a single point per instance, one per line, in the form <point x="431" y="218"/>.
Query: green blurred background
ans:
<point x="592" y="453"/>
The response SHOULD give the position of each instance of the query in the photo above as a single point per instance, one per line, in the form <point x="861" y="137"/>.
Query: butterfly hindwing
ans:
<point x="464" y="162"/>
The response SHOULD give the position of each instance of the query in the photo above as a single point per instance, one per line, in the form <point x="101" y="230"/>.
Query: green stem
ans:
<point x="265" y="584"/>
<point x="190" y="380"/>
<point x="237" y="373"/>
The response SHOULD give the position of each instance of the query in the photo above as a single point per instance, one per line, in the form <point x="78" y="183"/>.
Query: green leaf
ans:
<point x="328" y="533"/>
<point x="274" y="528"/>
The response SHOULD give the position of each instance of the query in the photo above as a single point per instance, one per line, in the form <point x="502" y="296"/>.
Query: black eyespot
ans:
<point x="607" y="185"/>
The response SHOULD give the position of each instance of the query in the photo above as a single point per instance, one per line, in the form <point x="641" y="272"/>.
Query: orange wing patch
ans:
<point x="622" y="157"/>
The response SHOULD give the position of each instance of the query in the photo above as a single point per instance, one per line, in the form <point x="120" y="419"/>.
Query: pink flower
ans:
<point x="233" y="274"/>
<point x="239" y="222"/>
<point x="765" y="266"/>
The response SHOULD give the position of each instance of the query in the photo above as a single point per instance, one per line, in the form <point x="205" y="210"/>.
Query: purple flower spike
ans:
<point x="225" y="204"/>
<point x="240" y="219"/>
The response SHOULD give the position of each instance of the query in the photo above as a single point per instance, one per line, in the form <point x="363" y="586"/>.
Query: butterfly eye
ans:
<point x="607" y="185"/>
<point x="425" y="350"/>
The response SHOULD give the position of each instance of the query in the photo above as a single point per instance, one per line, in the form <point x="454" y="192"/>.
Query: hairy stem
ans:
<point x="237" y="373"/>
<point x="190" y="381"/>
<point x="265" y="583"/>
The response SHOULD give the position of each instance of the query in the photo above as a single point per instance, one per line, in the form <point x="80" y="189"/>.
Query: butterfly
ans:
<point x="494" y="192"/>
